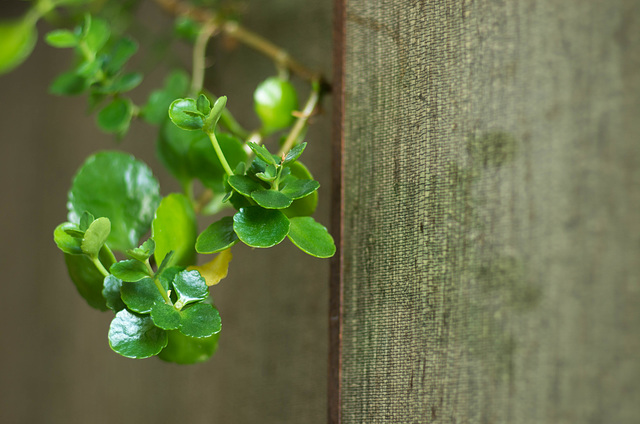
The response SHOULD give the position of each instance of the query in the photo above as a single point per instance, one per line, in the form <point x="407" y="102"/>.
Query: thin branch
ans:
<point x="309" y="107"/>
<point x="231" y="28"/>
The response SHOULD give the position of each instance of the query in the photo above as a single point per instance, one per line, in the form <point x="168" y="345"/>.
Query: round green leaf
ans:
<point x="274" y="101"/>
<point x="67" y="242"/>
<point x="183" y="349"/>
<point x="297" y="189"/>
<point x="130" y="270"/>
<point x="217" y="237"/>
<point x="307" y="205"/>
<point x="116" y="116"/>
<point x="175" y="228"/>
<point x="18" y="40"/>
<point x="259" y="227"/>
<point x="244" y="185"/>
<point x="141" y="296"/>
<point x="165" y="316"/>
<point x="190" y="287"/>
<point x="120" y="54"/>
<point x="271" y="199"/>
<point x="135" y="336"/>
<point x="111" y="293"/>
<point x="95" y="236"/>
<point x="97" y="33"/>
<point x="200" y="320"/>
<point x="117" y="186"/>
<point x="61" y="38"/>
<point x="311" y="237"/>
<point x="185" y="114"/>
<point x="87" y="279"/>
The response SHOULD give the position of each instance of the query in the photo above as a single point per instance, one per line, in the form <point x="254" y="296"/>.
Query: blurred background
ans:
<point x="55" y="362"/>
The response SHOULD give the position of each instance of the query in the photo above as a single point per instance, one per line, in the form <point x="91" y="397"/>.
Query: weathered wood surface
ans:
<point x="55" y="362"/>
<point x="491" y="227"/>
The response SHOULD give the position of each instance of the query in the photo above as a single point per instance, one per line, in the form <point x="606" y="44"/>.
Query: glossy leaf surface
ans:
<point x="117" y="186"/>
<point x="165" y="316"/>
<point x="183" y="349"/>
<point x="111" y="293"/>
<point x="200" y="320"/>
<point x="307" y="205"/>
<point x="65" y="241"/>
<point x="311" y="237"/>
<point x="174" y="228"/>
<point x="259" y="227"/>
<point x="141" y="296"/>
<point x="217" y="237"/>
<point x="294" y="153"/>
<point x="244" y="185"/>
<point x="297" y="189"/>
<point x="135" y="336"/>
<point x="190" y="287"/>
<point x="144" y="251"/>
<point x="271" y="199"/>
<point x="130" y="270"/>
<point x="184" y="113"/>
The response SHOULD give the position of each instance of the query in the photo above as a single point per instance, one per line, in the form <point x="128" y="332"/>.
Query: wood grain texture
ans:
<point x="491" y="192"/>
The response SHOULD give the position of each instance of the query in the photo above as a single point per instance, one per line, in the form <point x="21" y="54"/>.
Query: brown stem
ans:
<point x="231" y="28"/>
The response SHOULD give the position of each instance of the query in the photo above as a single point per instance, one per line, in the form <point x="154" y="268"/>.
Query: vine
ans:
<point x="160" y="296"/>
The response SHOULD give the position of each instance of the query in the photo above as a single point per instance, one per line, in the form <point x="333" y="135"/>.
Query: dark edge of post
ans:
<point x="337" y="214"/>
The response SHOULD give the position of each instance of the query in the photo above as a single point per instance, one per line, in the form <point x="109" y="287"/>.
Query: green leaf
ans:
<point x="214" y="116"/>
<point x="61" y="38"/>
<point x="274" y="101"/>
<point x="186" y="28"/>
<point x="123" y="83"/>
<point x="165" y="274"/>
<point x="183" y="349"/>
<point x="95" y="236"/>
<point x="269" y="174"/>
<point x="18" y="40"/>
<point x="69" y="84"/>
<point x="271" y="199"/>
<point x="85" y="220"/>
<point x="200" y="320"/>
<point x="165" y="316"/>
<point x="258" y="227"/>
<point x="120" y="54"/>
<point x="111" y="293"/>
<point x="184" y="113"/>
<point x="244" y="185"/>
<point x="135" y="336"/>
<point x="130" y="270"/>
<point x="203" y="104"/>
<point x="307" y="205"/>
<point x="67" y="242"/>
<point x="294" y="153"/>
<point x="117" y="186"/>
<point x="97" y="34"/>
<point x="262" y="153"/>
<point x="217" y="237"/>
<point x="297" y="189"/>
<point x="143" y="252"/>
<point x="174" y="228"/>
<point x="87" y="279"/>
<point x="190" y="287"/>
<point x="175" y="85"/>
<point x="311" y="237"/>
<point x="142" y="295"/>
<point x="116" y="116"/>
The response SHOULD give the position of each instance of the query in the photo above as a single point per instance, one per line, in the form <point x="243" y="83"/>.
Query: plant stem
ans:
<point x="100" y="267"/>
<point x="199" y="55"/>
<point x="163" y="292"/>
<point x="309" y="107"/>
<point x="231" y="28"/>
<point x="216" y="147"/>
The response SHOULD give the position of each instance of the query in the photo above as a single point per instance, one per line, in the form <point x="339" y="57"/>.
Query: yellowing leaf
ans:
<point x="216" y="270"/>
